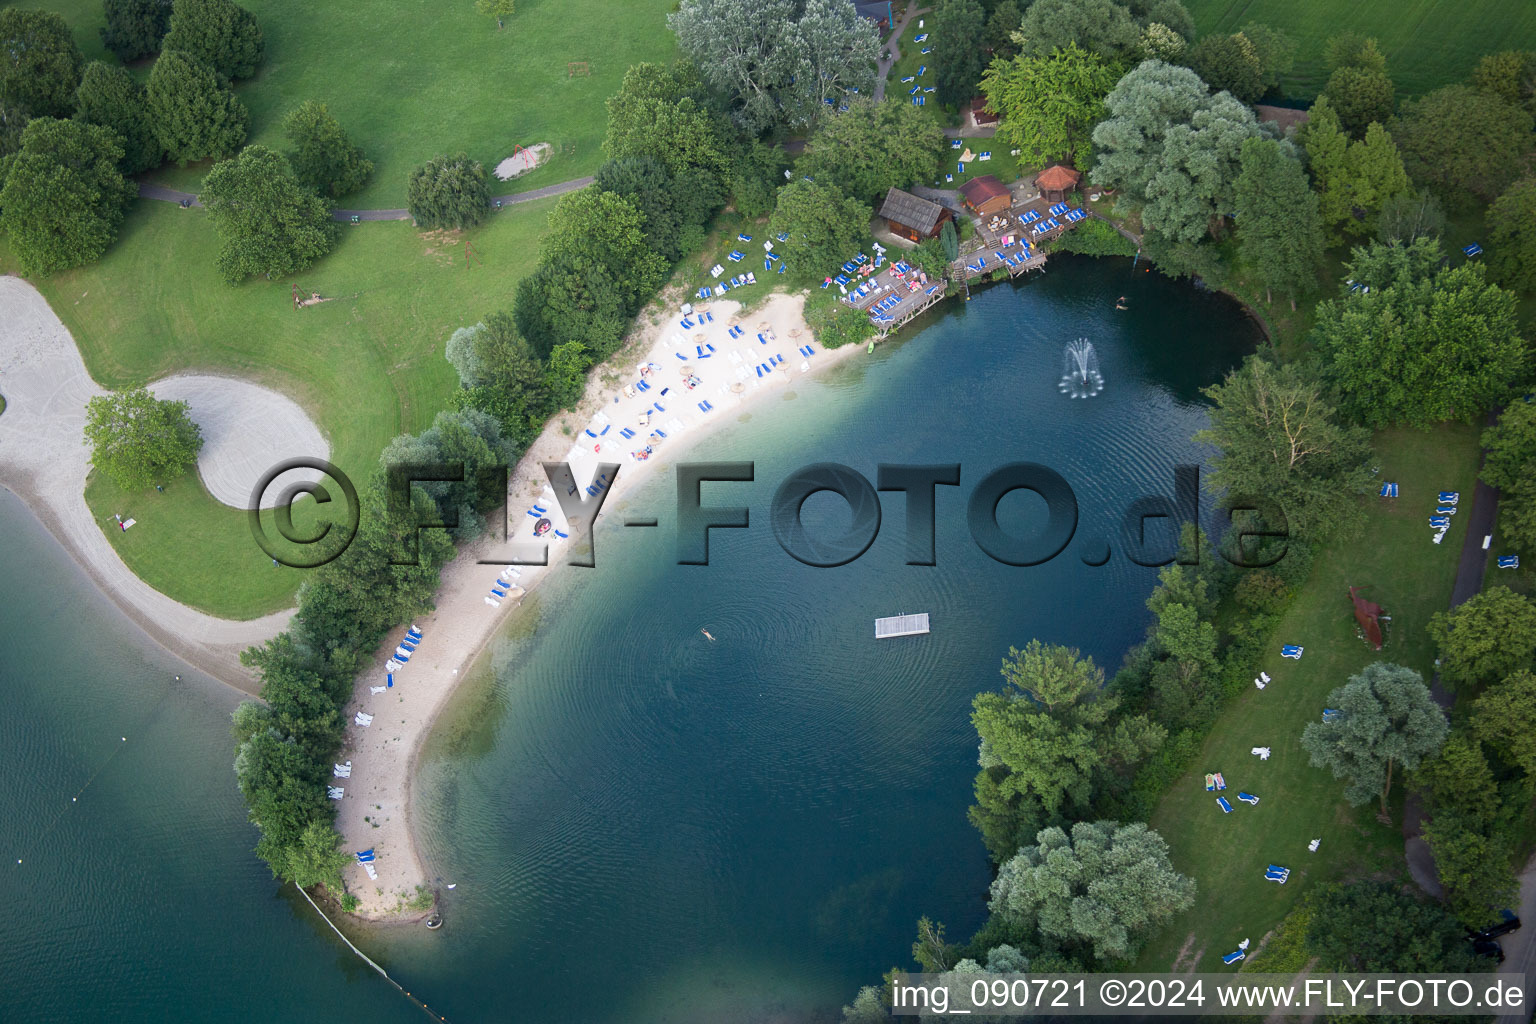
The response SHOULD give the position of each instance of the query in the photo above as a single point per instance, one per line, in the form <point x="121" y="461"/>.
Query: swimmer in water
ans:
<point x="1120" y="303"/>
<point x="706" y="633"/>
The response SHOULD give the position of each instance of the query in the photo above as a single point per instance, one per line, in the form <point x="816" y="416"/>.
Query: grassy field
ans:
<point x="1427" y="43"/>
<point x="1227" y="853"/>
<point x="410" y="80"/>
<point x="366" y="366"/>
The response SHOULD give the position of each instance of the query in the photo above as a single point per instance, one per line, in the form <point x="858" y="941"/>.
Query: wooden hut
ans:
<point x="981" y="114"/>
<point x="1057" y="182"/>
<point x="985" y="195"/>
<point x="912" y="217"/>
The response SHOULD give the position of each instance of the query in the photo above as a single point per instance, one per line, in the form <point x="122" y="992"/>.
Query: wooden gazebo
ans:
<point x="1056" y="182"/>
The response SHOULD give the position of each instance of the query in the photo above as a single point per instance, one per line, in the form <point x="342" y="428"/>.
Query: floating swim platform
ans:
<point x="901" y="625"/>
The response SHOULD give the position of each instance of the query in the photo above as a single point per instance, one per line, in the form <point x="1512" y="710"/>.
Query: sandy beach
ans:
<point x="375" y="812"/>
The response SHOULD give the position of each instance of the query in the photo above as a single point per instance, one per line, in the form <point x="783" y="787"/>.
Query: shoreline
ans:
<point x="386" y="754"/>
<point x="44" y="463"/>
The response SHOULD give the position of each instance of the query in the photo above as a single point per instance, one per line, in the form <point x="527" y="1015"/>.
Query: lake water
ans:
<point x="642" y="825"/>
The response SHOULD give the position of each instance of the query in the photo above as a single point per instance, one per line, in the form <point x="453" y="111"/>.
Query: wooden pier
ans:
<point x="901" y="625"/>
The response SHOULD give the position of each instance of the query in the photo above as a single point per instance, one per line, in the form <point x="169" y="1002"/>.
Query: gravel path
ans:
<point x="44" y="461"/>
<point x="171" y="195"/>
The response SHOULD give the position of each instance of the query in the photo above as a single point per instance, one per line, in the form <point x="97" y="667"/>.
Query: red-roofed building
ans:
<point x="1056" y="182"/>
<point x="986" y="195"/>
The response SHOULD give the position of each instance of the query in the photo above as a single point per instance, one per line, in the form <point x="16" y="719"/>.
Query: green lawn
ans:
<point x="366" y="366"/>
<point x="1427" y="43"/>
<point x="411" y="80"/>
<point x="1227" y="853"/>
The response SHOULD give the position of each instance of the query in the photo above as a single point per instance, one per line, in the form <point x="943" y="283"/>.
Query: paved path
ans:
<point x="893" y="47"/>
<point x="171" y="195"/>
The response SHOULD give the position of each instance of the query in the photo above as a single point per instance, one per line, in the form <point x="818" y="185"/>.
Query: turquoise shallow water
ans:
<point x="642" y="825"/>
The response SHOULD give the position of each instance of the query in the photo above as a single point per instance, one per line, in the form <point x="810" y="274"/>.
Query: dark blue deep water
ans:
<point x="642" y="825"/>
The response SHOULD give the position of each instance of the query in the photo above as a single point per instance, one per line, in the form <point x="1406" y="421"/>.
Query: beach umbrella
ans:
<point x="737" y="387"/>
<point x="686" y="371"/>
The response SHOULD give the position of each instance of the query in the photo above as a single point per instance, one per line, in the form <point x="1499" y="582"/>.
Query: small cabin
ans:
<point x="913" y="217"/>
<point x="1057" y="182"/>
<point x="985" y="195"/>
<point x="981" y="114"/>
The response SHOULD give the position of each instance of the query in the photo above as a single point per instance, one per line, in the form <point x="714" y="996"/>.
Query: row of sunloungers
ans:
<point x="689" y="324"/>
<point x="1440" y="522"/>
<point x="764" y="369"/>
<point x="403" y="652"/>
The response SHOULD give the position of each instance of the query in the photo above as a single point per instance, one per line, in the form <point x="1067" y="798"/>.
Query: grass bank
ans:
<point x="1227" y="853"/>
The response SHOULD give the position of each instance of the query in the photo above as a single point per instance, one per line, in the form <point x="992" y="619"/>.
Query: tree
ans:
<point x="194" y="116"/>
<point x="502" y="376"/>
<point x="1510" y="465"/>
<point x="1512" y="236"/>
<point x="757" y="171"/>
<point x="1423" y="344"/>
<point x="867" y="1008"/>
<point x="268" y="223"/>
<point x="138" y="440"/>
<point x="1280" y="236"/>
<point x="317" y="858"/>
<point x="39" y="62"/>
<point x="1280" y="437"/>
<point x="1275" y="50"/>
<point x="448" y="192"/>
<point x="1456" y="140"/>
<point x="1504" y="717"/>
<point x="824" y="226"/>
<point x="778" y="61"/>
<point x="872" y="147"/>
<point x="1374" y="926"/>
<point x="1358" y="87"/>
<point x="1103" y="26"/>
<point x="1002" y="23"/>
<point x="1159" y="42"/>
<point x="1389" y="719"/>
<point x="1487" y="637"/>
<point x="1510" y="75"/>
<point x="657" y="113"/>
<point x="110" y="97"/>
<point x="835" y="324"/>
<point x="567" y="373"/>
<point x="1106" y="887"/>
<point x="1050" y="103"/>
<point x="64" y="196"/>
<point x="135" y="28"/>
<point x="220" y="33"/>
<point x="498" y="9"/>
<point x="931" y="950"/>
<point x="950" y="240"/>
<point x="1408" y="216"/>
<point x="959" y="28"/>
<point x="469" y="438"/>
<point x="1354" y="179"/>
<point x="1229" y="63"/>
<point x="1173" y="148"/>
<point x="324" y="157"/>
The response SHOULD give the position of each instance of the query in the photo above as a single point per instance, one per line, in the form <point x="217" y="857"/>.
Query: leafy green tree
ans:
<point x="448" y="192"/>
<point x="268" y="223"/>
<point x="1468" y="830"/>
<point x="1170" y="13"/>
<point x="1458" y="141"/>
<point x="1408" y="216"/>
<point x="220" y="33"/>
<point x="757" y="171"/>
<point x="468" y="438"/>
<point x="1173" y="148"/>
<point x="1106" y="886"/>
<point x="1510" y="75"/>
<point x="824" y="226"/>
<point x="110" y="97"/>
<point x="959" y="29"/>
<point x="498" y="9"/>
<point x="567" y="373"/>
<point x="657" y="113"/>
<point x="648" y="184"/>
<point x="778" y="61"/>
<point x="135" y="28"/>
<point x="1159" y="42"/>
<point x="1424" y="344"/>
<point x="64" y="196"/>
<point x="1389" y="719"/>
<point x="138" y="440"/>
<point x="39" y="62"/>
<point x="835" y="324"/>
<point x="1377" y="926"/>
<point x="13" y="120"/>
<point x="1488" y="637"/>
<point x="1354" y="179"/>
<point x="194" y="116"/>
<point x="1510" y="465"/>
<point x="1512" y="236"/>
<point x="1504" y="717"/>
<point x="1275" y="50"/>
<point x="1280" y="437"/>
<point x="1358" y="87"/>
<point x="284" y="790"/>
<point x="950" y="240"/>
<point x="1002" y="23"/>
<point x="1280" y="235"/>
<point x="324" y="157"/>
<point x="873" y="147"/>
<point x="1049" y="103"/>
<point x="502" y="376"/>
<point x="317" y="858"/>
<point x="867" y="1008"/>
<point x="1103" y="26"/>
<point x="1230" y="63"/>
<point x="931" y="950"/>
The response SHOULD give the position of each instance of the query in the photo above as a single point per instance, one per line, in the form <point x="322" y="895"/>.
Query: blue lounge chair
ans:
<point x="1248" y="798"/>
<point x="701" y="407"/>
<point x="605" y="430"/>
<point x="626" y="433"/>
<point x="562" y="535"/>
<point x="1446" y="510"/>
<point x="660" y="433"/>
<point x="365" y="856"/>
<point x="920" y="38"/>
<point x="1234" y="957"/>
<point x="1509" y="561"/>
<point x="1472" y="250"/>
<point x="1226" y="808"/>
<point x="782" y="236"/>
<point x="956" y="144"/>
<point x="915" y="90"/>
<point x="761" y="340"/>
<point x="736" y="256"/>
<point x="686" y="324"/>
<point x="710" y="317"/>
<point x="1449" y="497"/>
<point x="926" y="50"/>
<point x="743" y="238"/>
<point x="1440" y="521"/>
<point x="589" y="433"/>
<point x="759" y="369"/>
<point x="921" y="69"/>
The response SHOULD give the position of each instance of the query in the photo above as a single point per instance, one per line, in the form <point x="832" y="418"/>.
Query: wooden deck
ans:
<point x="901" y="625"/>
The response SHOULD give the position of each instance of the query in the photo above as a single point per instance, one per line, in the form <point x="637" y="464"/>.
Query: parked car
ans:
<point x="1489" y="948"/>
<point x="1508" y="922"/>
